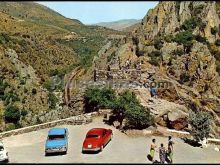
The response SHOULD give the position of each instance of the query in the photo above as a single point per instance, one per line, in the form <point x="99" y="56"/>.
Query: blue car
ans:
<point x="57" y="141"/>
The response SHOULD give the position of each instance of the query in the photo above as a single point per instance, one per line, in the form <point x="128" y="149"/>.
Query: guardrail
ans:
<point x="75" y="120"/>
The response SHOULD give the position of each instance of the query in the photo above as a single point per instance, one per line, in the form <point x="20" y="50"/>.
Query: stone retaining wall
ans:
<point x="75" y="120"/>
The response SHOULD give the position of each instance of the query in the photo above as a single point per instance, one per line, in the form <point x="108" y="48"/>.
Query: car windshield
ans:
<point x="56" y="137"/>
<point x="1" y="148"/>
<point x="92" y="136"/>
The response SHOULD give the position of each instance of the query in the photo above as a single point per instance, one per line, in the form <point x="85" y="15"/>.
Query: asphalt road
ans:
<point x="29" y="148"/>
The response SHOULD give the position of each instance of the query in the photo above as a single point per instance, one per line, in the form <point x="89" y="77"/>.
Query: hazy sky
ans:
<point x="94" y="12"/>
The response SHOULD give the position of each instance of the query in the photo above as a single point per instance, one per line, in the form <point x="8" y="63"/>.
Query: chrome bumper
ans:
<point x="91" y="149"/>
<point x="55" y="150"/>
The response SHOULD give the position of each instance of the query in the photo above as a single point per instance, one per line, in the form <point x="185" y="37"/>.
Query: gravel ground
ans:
<point x="29" y="148"/>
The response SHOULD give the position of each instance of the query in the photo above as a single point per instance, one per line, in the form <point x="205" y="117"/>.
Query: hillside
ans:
<point x="178" y="42"/>
<point x="119" y="25"/>
<point x="38" y="47"/>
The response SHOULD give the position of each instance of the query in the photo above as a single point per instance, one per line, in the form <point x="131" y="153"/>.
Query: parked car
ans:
<point x="3" y="153"/>
<point x="96" y="139"/>
<point x="57" y="141"/>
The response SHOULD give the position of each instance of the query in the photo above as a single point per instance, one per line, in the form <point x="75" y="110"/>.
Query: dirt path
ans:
<point x="29" y="148"/>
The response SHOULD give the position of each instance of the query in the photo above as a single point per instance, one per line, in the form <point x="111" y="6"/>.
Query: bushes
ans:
<point x="158" y="43"/>
<point x="214" y="30"/>
<point x="217" y="42"/>
<point x="200" y="122"/>
<point x="12" y="114"/>
<point x="185" y="77"/>
<point x="184" y="38"/>
<point x="178" y="52"/>
<point x="52" y="99"/>
<point x="191" y="23"/>
<point x="109" y="58"/>
<point x="138" y="117"/>
<point x="218" y="67"/>
<point x="155" y="58"/>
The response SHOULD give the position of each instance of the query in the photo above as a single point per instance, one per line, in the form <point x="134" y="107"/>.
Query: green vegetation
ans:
<point x="217" y="42"/>
<point x="109" y="58"/>
<point x="191" y="23"/>
<point x="178" y="52"/>
<point x="96" y="98"/>
<point x="184" y="77"/>
<point x="218" y="67"/>
<point x="12" y="114"/>
<point x="135" y="114"/>
<point x="200" y="122"/>
<point x="158" y="43"/>
<point x="52" y="100"/>
<point x="155" y="58"/>
<point x="184" y="38"/>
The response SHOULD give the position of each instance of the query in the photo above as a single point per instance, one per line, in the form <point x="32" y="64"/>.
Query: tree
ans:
<point x="96" y="98"/>
<point x="138" y="117"/>
<point x="12" y="114"/>
<point x="200" y="122"/>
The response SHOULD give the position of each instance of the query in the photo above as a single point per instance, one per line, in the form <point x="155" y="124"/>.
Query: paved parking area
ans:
<point x="29" y="148"/>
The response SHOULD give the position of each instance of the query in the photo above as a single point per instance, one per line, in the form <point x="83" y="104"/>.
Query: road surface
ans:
<point x="29" y="148"/>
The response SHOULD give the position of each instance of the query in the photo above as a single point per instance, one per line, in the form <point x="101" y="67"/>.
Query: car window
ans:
<point x="56" y="137"/>
<point x="92" y="136"/>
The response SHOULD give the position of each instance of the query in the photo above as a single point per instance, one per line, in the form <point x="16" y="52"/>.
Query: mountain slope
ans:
<point x="38" y="47"/>
<point x="119" y="25"/>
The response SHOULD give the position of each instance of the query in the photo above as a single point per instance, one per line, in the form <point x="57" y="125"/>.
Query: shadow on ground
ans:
<point x="191" y="142"/>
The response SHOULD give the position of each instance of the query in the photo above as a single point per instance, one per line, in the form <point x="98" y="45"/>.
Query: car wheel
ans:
<point x="101" y="149"/>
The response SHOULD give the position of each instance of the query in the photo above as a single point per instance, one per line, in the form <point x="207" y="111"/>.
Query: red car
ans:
<point x="96" y="139"/>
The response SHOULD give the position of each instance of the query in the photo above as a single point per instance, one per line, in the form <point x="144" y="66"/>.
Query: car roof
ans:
<point x="96" y="130"/>
<point x="56" y="131"/>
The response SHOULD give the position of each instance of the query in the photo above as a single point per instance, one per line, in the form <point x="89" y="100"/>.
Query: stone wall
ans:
<point x="75" y="120"/>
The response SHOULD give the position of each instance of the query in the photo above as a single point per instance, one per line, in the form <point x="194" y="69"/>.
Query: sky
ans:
<point x="95" y="12"/>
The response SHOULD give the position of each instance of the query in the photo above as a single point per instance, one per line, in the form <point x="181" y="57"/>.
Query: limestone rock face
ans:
<point x="167" y="17"/>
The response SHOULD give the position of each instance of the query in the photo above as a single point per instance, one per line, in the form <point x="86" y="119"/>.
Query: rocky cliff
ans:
<point x="179" y="41"/>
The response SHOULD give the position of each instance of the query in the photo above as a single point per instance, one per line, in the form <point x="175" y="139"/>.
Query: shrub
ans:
<point x="200" y="122"/>
<point x="214" y="30"/>
<point x="52" y="99"/>
<point x="168" y="38"/>
<point x="138" y="117"/>
<point x="185" y="77"/>
<point x="178" y="52"/>
<point x="158" y="43"/>
<point x="12" y="114"/>
<point x="155" y="57"/>
<point x="24" y="112"/>
<point x="217" y="42"/>
<point x="109" y="58"/>
<point x="48" y="85"/>
<point x="218" y="67"/>
<point x="191" y="23"/>
<point x="184" y="38"/>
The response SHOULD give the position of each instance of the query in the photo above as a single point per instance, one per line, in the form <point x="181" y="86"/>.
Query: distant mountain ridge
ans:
<point x="120" y="24"/>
